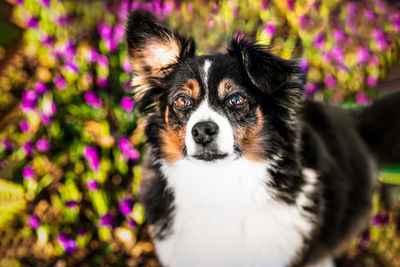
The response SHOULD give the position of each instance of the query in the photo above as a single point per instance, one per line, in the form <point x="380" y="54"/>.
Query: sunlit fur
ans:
<point x="281" y="181"/>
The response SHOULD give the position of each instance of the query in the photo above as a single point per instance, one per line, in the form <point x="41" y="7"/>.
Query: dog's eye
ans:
<point x="182" y="102"/>
<point x="236" y="100"/>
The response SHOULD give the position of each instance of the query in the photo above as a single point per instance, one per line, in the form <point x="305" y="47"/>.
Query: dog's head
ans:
<point x="239" y="104"/>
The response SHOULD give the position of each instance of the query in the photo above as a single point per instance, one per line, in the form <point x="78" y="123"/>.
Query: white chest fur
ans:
<point x="226" y="216"/>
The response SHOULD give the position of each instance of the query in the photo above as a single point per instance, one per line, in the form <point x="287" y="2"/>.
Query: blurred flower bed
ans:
<point x="71" y="140"/>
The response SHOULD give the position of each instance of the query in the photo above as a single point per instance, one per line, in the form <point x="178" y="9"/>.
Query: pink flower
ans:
<point x="126" y="66"/>
<point x="68" y="244"/>
<point x="59" y="82"/>
<point x="127" y="149"/>
<point x="126" y="206"/>
<point x="28" y="147"/>
<point x="105" y="30"/>
<point x="93" y="100"/>
<point x="330" y="81"/>
<point x="92" y="185"/>
<point x="33" y="221"/>
<point x="362" y="99"/>
<point x="127" y="104"/>
<point x="372" y="81"/>
<point x="269" y="30"/>
<point x="43" y="145"/>
<point x="24" y="126"/>
<point x="32" y="22"/>
<point x="92" y="157"/>
<point x="119" y="33"/>
<point x="40" y="88"/>
<point x="28" y="173"/>
<point x="107" y="219"/>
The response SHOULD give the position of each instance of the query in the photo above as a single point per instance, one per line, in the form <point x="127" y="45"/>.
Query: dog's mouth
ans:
<point x="210" y="156"/>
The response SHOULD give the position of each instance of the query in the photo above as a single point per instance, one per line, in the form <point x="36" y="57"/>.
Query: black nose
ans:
<point x="204" y="132"/>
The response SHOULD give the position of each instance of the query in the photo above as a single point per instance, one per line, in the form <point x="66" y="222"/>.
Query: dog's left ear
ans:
<point x="268" y="72"/>
<point x="153" y="48"/>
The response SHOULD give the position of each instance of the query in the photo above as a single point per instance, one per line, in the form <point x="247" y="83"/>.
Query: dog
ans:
<point x="241" y="170"/>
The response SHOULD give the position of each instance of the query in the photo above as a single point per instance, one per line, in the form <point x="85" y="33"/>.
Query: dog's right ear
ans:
<point x="153" y="49"/>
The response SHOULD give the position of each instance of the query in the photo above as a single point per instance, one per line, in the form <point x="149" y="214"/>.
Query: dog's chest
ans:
<point x="225" y="215"/>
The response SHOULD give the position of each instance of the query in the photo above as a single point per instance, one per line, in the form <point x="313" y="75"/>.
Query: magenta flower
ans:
<point x="45" y="3"/>
<point x="28" y="147"/>
<point x="330" y="81"/>
<point x="319" y="41"/>
<point x="29" y="100"/>
<point x="32" y="22"/>
<point x="380" y="219"/>
<point x="46" y="120"/>
<point x="92" y="185"/>
<point x="28" y="173"/>
<point x="111" y="44"/>
<point x="24" y="126"/>
<point x="64" y="20"/>
<point x="364" y="240"/>
<point x="105" y="30"/>
<point x="71" y="66"/>
<point x="102" y="60"/>
<point x="338" y="35"/>
<point x="132" y="223"/>
<point x="33" y="221"/>
<point x="42" y="145"/>
<point x="119" y="33"/>
<point x="71" y="204"/>
<point x="126" y="206"/>
<point x="102" y="82"/>
<point x="47" y="41"/>
<point x="60" y="82"/>
<point x="92" y="157"/>
<point x="372" y="81"/>
<point x="310" y="89"/>
<point x="290" y="4"/>
<point x="269" y="30"/>
<point x="93" y="100"/>
<point x="40" y="88"/>
<point x="190" y="8"/>
<point x="126" y="66"/>
<point x="7" y="144"/>
<point x="210" y="23"/>
<point x="362" y="98"/>
<point x="68" y="244"/>
<point x="92" y="55"/>
<point x="362" y="55"/>
<point x="81" y="232"/>
<point x="265" y="4"/>
<point x="107" y="219"/>
<point x="127" y="104"/>
<point x="304" y="65"/>
<point x="49" y="108"/>
<point x="127" y="149"/>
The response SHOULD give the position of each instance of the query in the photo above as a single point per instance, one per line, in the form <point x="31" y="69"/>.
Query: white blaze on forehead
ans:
<point x="206" y="68"/>
<point x="224" y="139"/>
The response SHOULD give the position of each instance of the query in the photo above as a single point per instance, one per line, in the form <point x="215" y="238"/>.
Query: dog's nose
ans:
<point x="204" y="132"/>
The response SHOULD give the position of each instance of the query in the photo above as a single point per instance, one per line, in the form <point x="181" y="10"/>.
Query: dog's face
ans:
<point x="210" y="107"/>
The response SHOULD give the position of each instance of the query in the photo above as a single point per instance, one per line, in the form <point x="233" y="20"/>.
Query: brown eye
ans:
<point x="237" y="100"/>
<point x="182" y="102"/>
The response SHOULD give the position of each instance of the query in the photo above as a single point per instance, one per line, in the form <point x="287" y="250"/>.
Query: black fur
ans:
<point x="344" y="147"/>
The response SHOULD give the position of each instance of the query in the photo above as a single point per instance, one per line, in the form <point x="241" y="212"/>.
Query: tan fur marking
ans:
<point x="172" y="141"/>
<point x="224" y="87"/>
<point x="250" y="139"/>
<point x="192" y="88"/>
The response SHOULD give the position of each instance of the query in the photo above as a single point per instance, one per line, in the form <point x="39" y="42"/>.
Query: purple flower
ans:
<point x="47" y="41"/>
<point x="119" y="33"/>
<point x="311" y="88"/>
<point x="102" y="60"/>
<point x="92" y="157"/>
<point x="362" y="55"/>
<point x="380" y="219"/>
<point x="40" y="88"/>
<point x="71" y="66"/>
<point x="29" y="100"/>
<point x="132" y="223"/>
<point x="93" y="100"/>
<point x="33" y="221"/>
<point x="81" y="232"/>
<point x="32" y="22"/>
<point x="46" y="120"/>
<point x="362" y="99"/>
<point x="71" y="204"/>
<point x="59" y="82"/>
<point x="351" y="9"/>
<point x="127" y="104"/>
<point x="126" y="66"/>
<point x="372" y="81"/>
<point x="330" y="81"/>
<point x="338" y="35"/>
<point x="269" y="30"/>
<point x="92" y="185"/>
<point x="7" y="144"/>
<point x="24" y="126"/>
<point x="102" y="82"/>
<point x="42" y="145"/>
<point x="28" y="173"/>
<point x="69" y="245"/>
<point x="319" y="41"/>
<point x="127" y="150"/>
<point x="110" y="44"/>
<point x="105" y="30"/>
<point x="126" y="206"/>
<point x="45" y="3"/>
<point x="92" y="55"/>
<point x="304" y="65"/>
<point x="28" y="147"/>
<point x="19" y="2"/>
<point x="364" y="240"/>
<point x="64" y="20"/>
<point x="107" y="219"/>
